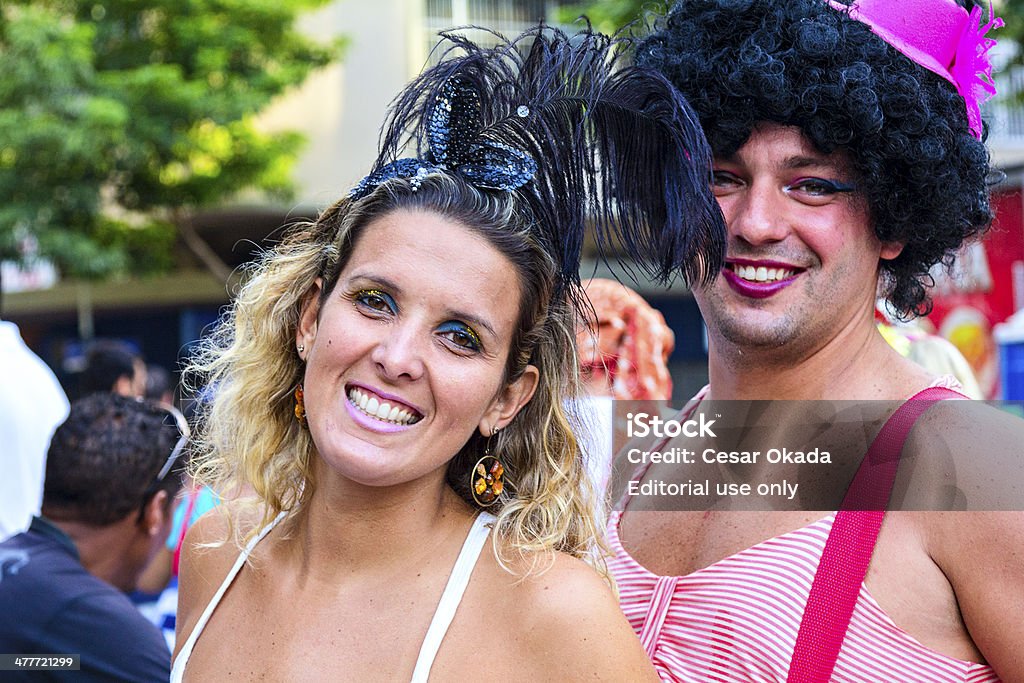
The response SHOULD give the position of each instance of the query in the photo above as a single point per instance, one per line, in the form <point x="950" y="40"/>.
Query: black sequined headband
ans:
<point x="456" y="146"/>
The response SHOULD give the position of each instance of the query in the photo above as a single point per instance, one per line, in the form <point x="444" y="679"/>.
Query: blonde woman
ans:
<point x="390" y="384"/>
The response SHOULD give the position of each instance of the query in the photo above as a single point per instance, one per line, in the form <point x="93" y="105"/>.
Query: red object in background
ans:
<point x="981" y="291"/>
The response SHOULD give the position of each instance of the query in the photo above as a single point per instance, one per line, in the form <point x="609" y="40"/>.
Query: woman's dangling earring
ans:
<point x="485" y="479"/>
<point x="300" y="407"/>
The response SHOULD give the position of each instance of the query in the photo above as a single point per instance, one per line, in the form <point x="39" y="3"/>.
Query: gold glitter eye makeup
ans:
<point x="461" y="335"/>
<point x="375" y="300"/>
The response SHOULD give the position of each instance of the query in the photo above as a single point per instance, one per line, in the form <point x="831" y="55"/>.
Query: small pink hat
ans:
<point x="942" y="37"/>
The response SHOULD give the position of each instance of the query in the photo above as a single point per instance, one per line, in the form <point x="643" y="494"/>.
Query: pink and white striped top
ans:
<point x="738" y="619"/>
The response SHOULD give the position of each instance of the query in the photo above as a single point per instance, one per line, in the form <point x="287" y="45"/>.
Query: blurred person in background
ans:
<point x="935" y="354"/>
<point x="159" y="385"/>
<point x="623" y="351"/>
<point x="112" y="474"/>
<point x="157" y="592"/>
<point x="32" y="404"/>
<point x="624" y="348"/>
<point x="113" y="365"/>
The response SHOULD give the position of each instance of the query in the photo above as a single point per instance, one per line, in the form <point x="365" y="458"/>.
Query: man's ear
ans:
<point x="305" y="333"/>
<point x="891" y="250"/>
<point x="510" y="401"/>
<point x="156" y="514"/>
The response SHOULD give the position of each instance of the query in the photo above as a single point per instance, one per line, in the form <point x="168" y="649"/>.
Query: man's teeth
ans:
<point x="382" y="410"/>
<point x="761" y="273"/>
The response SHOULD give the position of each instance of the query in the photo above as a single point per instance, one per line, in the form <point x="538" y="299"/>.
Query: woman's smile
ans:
<point x="382" y="410"/>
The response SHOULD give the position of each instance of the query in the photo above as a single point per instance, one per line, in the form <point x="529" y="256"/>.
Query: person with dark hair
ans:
<point x="112" y="473"/>
<point x="392" y="382"/>
<point x="112" y="365"/>
<point x="159" y="385"/>
<point x="848" y="160"/>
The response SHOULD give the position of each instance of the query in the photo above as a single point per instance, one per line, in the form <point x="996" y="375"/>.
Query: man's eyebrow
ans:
<point x="791" y="163"/>
<point x="798" y="162"/>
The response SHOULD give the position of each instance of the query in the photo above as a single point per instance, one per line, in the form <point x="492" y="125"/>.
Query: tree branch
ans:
<point x="198" y="246"/>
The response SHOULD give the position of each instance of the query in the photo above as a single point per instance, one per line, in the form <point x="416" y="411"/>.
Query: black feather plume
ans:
<point x="614" y="145"/>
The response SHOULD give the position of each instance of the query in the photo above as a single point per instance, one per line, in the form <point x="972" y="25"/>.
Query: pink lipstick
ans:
<point x="758" y="289"/>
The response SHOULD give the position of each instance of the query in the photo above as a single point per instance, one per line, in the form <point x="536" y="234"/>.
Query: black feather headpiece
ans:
<point x="579" y="136"/>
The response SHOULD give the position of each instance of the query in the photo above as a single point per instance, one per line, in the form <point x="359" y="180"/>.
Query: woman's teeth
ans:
<point x="761" y="273"/>
<point x="381" y="410"/>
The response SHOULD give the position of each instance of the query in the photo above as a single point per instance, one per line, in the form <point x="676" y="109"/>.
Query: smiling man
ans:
<point x="848" y="162"/>
<point x="800" y="236"/>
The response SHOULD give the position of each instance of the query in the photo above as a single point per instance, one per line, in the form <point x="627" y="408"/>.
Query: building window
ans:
<point x="507" y="17"/>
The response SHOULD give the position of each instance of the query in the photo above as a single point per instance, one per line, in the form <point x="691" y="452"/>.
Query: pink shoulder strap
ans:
<point x="847" y="552"/>
<point x="192" y="495"/>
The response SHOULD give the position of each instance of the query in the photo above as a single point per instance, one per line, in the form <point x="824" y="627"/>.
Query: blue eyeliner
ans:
<point x="462" y="328"/>
<point x="365" y="296"/>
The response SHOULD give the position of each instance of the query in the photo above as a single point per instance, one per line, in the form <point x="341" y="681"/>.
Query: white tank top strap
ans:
<point x="452" y="596"/>
<point x="178" y="670"/>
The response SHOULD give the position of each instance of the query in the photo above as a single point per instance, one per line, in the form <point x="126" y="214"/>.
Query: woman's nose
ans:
<point x="399" y="352"/>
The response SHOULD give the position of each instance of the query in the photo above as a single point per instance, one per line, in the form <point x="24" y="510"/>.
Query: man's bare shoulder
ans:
<point x="982" y="555"/>
<point x="970" y="454"/>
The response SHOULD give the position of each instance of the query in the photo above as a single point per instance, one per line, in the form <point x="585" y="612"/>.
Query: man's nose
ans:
<point x="757" y="218"/>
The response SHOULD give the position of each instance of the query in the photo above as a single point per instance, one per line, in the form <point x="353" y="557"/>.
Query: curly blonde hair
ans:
<point x="248" y="437"/>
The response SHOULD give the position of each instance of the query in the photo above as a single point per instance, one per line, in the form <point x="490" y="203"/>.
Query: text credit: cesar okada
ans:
<point x="640" y="425"/>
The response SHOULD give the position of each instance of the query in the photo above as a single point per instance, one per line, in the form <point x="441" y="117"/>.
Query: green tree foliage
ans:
<point x="1012" y="12"/>
<point x="118" y="118"/>
<point x="608" y="16"/>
